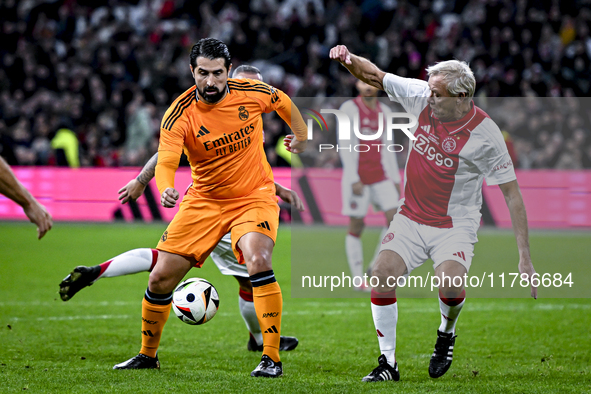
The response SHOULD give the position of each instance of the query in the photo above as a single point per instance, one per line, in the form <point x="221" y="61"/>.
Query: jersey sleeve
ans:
<point x="493" y="160"/>
<point x="289" y="112"/>
<point x="409" y="92"/>
<point x="173" y="130"/>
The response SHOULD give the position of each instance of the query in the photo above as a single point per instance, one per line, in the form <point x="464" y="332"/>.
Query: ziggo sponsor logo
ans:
<point x="425" y="148"/>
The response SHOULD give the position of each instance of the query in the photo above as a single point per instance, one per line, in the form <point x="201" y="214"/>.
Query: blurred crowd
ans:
<point x="86" y="82"/>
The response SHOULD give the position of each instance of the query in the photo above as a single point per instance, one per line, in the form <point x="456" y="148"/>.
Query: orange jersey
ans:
<point x="223" y="141"/>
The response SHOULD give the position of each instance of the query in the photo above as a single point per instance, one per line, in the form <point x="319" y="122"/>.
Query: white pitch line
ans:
<point x="352" y="308"/>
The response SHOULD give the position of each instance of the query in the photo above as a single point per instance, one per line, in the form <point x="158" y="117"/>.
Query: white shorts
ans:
<point x="382" y="195"/>
<point x="415" y="242"/>
<point x="223" y="256"/>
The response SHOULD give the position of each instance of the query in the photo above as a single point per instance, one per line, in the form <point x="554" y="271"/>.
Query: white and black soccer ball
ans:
<point x="195" y="301"/>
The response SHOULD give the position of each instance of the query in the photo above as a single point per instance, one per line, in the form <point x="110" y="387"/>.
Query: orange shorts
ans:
<point x="201" y="222"/>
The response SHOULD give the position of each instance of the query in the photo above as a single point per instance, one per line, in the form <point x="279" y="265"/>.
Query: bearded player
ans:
<point x="144" y="259"/>
<point x="218" y="124"/>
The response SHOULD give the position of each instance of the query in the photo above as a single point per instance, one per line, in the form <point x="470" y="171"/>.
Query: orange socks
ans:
<point x="154" y="317"/>
<point x="268" y="304"/>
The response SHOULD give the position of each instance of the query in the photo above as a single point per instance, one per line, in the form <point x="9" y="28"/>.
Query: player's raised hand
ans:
<point x="526" y="267"/>
<point x="341" y="54"/>
<point x="169" y="197"/>
<point x="131" y="192"/>
<point x="293" y="145"/>
<point x="38" y="214"/>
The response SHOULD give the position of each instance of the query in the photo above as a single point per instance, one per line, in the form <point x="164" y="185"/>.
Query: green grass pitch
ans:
<point x="505" y="345"/>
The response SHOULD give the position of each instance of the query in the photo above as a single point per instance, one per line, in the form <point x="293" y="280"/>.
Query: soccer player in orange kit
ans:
<point x="218" y="124"/>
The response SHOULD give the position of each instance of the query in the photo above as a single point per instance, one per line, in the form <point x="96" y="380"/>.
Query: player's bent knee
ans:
<point x="258" y="262"/>
<point x="161" y="283"/>
<point x="451" y="276"/>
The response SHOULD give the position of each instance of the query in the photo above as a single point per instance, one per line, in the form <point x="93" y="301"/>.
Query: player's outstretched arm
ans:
<point x="516" y="207"/>
<point x="289" y="196"/>
<point x="13" y="189"/>
<point x="360" y="67"/>
<point x="136" y="187"/>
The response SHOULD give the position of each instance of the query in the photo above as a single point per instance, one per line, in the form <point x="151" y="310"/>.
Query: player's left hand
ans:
<point x="131" y="192"/>
<point x="341" y="54"/>
<point x="290" y="197"/>
<point x="293" y="145"/>
<point x="526" y="267"/>
<point x="169" y="197"/>
<point x="38" y="215"/>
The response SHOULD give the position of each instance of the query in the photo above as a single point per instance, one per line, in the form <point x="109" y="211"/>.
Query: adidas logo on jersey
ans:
<point x="426" y="128"/>
<point x="460" y="255"/>
<point x="202" y="131"/>
<point x="264" y="225"/>
<point x="272" y="330"/>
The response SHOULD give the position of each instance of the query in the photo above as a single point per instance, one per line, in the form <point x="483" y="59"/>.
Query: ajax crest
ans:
<point x="448" y="144"/>
<point x="389" y="237"/>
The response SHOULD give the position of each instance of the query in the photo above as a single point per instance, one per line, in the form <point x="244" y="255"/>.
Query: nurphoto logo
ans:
<point x="375" y="139"/>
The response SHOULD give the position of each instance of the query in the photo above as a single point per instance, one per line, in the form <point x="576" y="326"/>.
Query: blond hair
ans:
<point x="457" y="74"/>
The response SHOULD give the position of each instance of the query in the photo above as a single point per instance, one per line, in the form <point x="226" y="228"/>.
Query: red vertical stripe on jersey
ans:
<point x="370" y="167"/>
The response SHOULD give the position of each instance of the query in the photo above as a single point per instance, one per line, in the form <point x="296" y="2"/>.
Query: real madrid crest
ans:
<point x="242" y="113"/>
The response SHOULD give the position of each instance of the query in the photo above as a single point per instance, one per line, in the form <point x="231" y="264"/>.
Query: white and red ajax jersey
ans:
<point x="447" y="163"/>
<point x="372" y="162"/>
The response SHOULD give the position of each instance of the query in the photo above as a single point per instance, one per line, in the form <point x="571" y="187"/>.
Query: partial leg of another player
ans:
<point x="384" y="310"/>
<point x="451" y="301"/>
<point x="257" y="251"/>
<point x="168" y="272"/>
<point x="354" y="247"/>
<point x="130" y="262"/>
<point x="249" y="315"/>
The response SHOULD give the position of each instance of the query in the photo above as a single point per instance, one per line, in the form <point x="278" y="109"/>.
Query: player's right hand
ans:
<point x="341" y="54"/>
<point x="169" y="197"/>
<point x="357" y="188"/>
<point x="131" y="192"/>
<point x="38" y="214"/>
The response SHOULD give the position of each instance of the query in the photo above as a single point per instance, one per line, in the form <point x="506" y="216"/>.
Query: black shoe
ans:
<point x="288" y="343"/>
<point x="268" y="368"/>
<point x="78" y="279"/>
<point x="443" y="354"/>
<point x="383" y="372"/>
<point x="141" y="361"/>
<point x="285" y="344"/>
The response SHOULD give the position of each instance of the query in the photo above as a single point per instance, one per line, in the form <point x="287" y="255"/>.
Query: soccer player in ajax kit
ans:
<point x="457" y="146"/>
<point x="218" y="125"/>
<point x="369" y="175"/>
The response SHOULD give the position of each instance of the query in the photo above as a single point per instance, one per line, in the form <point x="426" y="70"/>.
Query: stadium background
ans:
<point x="85" y="83"/>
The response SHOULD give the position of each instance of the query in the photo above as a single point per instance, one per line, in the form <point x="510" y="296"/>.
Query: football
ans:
<point x="195" y="301"/>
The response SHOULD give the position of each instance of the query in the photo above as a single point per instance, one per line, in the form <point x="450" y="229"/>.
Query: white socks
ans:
<point x="354" y="249"/>
<point x="246" y="305"/>
<point x="384" y="309"/>
<point x="131" y="262"/>
<point x="450" y="310"/>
